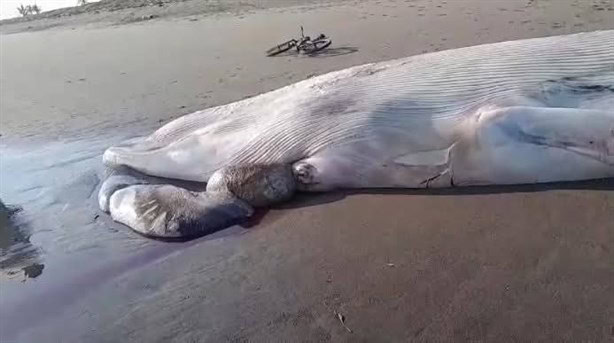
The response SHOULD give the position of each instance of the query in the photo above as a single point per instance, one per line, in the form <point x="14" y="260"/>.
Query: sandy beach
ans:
<point x="522" y="263"/>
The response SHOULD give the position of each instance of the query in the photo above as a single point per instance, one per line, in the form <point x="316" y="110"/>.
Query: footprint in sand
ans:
<point x="556" y="25"/>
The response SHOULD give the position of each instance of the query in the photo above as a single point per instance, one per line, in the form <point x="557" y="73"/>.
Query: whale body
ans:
<point x="526" y="111"/>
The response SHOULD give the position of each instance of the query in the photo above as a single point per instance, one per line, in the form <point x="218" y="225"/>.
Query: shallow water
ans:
<point x="55" y="184"/>
<point x="59" y="245"/>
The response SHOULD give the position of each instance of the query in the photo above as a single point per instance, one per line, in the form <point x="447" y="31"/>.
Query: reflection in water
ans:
<point x="18" y="258"/>
<point x="58" y="231"/>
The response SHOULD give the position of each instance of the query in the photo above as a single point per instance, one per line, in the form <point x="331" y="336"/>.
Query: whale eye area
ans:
<point x="304" y="173"/>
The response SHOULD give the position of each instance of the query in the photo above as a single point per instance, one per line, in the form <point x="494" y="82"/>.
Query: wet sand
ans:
<point x="492" y="264"/>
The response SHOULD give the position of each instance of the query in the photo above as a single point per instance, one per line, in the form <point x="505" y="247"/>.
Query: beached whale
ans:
<point x="527" y="111"/>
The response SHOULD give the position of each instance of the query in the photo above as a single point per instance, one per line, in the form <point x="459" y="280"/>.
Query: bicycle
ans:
<point x="305" y="45"/>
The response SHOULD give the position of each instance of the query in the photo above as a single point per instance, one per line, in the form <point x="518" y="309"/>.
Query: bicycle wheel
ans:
<point x="306" y="46"/>
<point x="311" y="47"/>
<point x="320" y="44"/>
<point x="283" y="47"/>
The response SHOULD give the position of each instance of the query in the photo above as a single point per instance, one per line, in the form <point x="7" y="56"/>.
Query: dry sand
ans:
<point x="483" y="264"/>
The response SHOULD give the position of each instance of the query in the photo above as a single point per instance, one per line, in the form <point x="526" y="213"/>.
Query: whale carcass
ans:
<point x="527" y="111"/>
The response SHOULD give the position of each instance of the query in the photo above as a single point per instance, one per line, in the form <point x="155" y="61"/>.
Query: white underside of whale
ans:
<point x="536" y="110"/>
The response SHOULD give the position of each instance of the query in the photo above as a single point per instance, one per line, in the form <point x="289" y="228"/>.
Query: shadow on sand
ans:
<point x="305" y="199"/>
<point x="332" y="52"/>
<point x="329" y="52"/>
<point x="314" y="199"/>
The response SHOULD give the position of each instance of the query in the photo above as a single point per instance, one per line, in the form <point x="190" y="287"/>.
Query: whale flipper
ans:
<point x="517" y="145"/>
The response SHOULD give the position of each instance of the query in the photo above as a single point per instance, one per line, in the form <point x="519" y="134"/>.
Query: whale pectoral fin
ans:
<point x="425" y="158"/>
<point x="166" y="211"/>
<point x="431" y="167"/>
<point x="173" y="212"/>
<point x="585" y="132"/>
<point x="517" y="145"/>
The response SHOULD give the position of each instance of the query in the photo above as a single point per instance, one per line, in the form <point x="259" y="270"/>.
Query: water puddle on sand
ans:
<point x="49" y="189"/>
<point x="55" y="244"/>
